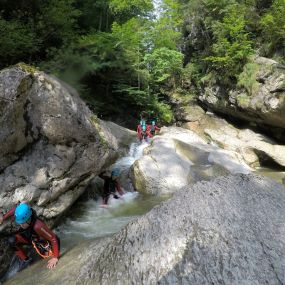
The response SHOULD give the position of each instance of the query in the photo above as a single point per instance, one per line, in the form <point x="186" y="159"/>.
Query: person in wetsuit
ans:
<point x="33" y="232"/>
<point x="142" y="130"/>
<point x="111" y="185"/>
<point x="151" y="129"/>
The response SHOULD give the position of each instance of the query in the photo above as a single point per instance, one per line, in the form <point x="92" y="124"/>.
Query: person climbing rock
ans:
<point x="33" y="231"/>
<point x="111" y="185"/>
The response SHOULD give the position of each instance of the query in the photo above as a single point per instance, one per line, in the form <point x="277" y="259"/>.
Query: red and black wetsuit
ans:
<point x="142" y="132"/>
<point x="110" y="187"/>
<point x="139" y="132"/>
<point x="151" y="129"/>
<point x="37" y="232"/>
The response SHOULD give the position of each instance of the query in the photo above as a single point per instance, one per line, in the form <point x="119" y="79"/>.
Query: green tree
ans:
<point x="273" y="26"/>
<point x="164" y="65"/>
<point x="95" y="16"/>
<point x="129" y="37"/>
<point x="35" y="27"/>
<point x="18" y="42"/>
<point x="165" y="30"/>
<point x="126" y="9"/>
<point x="232" y="44"/>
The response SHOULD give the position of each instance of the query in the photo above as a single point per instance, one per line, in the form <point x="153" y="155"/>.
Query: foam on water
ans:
<point x="89" y="220"/>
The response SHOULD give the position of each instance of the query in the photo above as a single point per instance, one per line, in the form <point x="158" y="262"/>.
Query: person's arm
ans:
<point x="43" y="231"/>
<point x="148" y="132"/>
<point x="139" y="130"/>
<point x="103" y="175"/>
<point x="7" y="215"/>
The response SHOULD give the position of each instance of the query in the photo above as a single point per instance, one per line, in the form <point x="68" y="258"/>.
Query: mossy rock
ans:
<point x="27" y="68"/>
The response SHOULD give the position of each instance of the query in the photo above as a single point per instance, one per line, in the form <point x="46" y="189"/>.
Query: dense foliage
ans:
<point x="221" y="36"/>
<point x="125" y="59"/>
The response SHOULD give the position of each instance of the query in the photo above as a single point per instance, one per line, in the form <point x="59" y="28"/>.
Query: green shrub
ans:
<point x="273" y="26"/>
<point x="232" y="43"/>
<point x="247" y="78"/>
<point x="243" y="100"/>
<point x="164" y="112"/>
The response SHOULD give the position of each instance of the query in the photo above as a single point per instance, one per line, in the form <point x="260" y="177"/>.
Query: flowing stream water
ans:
<point x="87" y="220"/>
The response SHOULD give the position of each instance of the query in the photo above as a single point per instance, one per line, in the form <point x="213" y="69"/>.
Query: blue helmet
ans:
<point x="115" y="172"/>
<point x="22" y="213"/>
<point x="142" y="122"/>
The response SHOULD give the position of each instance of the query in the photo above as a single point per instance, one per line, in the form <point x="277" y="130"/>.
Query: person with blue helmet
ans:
<point x="142" y="130"/>
<point x="111" y="185"/>
<point x="152" y="129"/>
<point x="115" y="172"/>
<point x="22" y="213"/>
<point x="33" y="231"/>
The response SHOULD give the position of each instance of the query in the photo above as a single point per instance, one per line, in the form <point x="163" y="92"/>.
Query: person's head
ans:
<point x="23" y="214"/>
<point x="153" y="123"/>
<point x="115" y="173"/>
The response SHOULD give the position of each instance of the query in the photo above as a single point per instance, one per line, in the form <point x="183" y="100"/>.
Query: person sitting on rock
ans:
<point x="111" y="185"/>
<point x="33" y="232"/>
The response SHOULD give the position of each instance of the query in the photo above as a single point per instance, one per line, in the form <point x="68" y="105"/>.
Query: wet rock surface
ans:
<point x="262" y="101"/>
<point x="254" y="147"/>
<point x="227" y="231"/>
<point x="178" y="157"/>
<point x="51" y="144"/>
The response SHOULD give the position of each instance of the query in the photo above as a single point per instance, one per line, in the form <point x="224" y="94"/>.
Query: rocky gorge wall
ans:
<point x="258" y="98"/>
<point x="51" y="145"/>
<point x="227" y="230"/>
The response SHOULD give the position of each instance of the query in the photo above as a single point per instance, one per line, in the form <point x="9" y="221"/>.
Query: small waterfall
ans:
<point x="88" y="221"/>
<point x="135" y="152"/>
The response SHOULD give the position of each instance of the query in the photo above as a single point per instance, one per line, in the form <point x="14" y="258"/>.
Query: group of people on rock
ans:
<point x="145" y="131"/>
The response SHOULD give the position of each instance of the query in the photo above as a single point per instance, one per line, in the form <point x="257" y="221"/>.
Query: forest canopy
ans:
<point x="128" y="57"/>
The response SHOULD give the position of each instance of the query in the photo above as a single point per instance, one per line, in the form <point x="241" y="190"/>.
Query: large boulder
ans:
<point x="227" y="231"/>
<point x="51" y="143"/>
<point x="178" y="157"/>
<point x="260" y="97"/>
<point x="250" y="144"/>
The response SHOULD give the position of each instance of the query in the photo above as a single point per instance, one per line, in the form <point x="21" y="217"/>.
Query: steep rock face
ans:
<point x="259" y="99"/>
<point x="178" y="157"/>
<point x="51" y="143"/>
<point x="227" y="231"/>
<point x="254" y="147"/>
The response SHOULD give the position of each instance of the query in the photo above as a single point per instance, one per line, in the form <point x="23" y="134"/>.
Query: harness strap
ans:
<point x="47" y="248"/>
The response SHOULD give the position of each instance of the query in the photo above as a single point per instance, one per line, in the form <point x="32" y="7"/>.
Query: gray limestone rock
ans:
<point x="178" y="157"/>
<point x="52" y="145"/>
<point x="261" y="100"/>
<point x="226" y="231"/>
